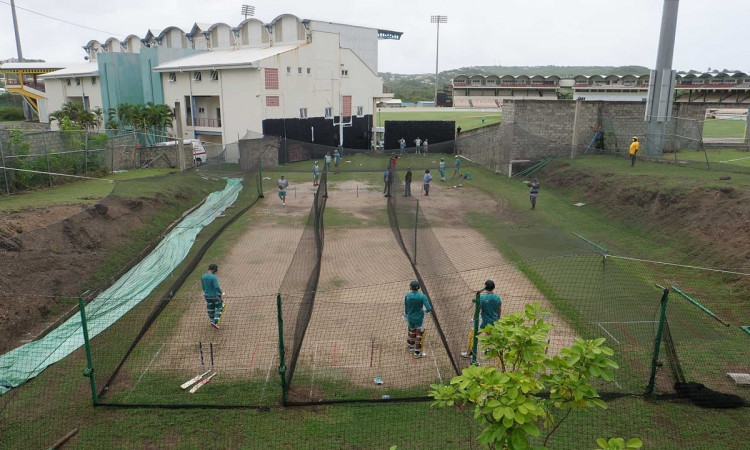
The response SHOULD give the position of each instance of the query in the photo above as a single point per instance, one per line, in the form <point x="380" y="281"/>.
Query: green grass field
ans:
<point x="723" y="128"/>
<point x="467" y="120"/>
<point x="716" y="157"/>
<point x="55" y="402"/>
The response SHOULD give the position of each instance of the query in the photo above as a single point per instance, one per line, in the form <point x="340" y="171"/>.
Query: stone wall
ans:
<point x="266" y="148"/>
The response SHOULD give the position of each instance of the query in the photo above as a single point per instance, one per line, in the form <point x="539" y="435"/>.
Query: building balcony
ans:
<point x="202" y="122"/>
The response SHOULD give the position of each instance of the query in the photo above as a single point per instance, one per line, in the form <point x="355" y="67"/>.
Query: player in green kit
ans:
<point x="283" y="184"/>
<point x="316" y="173"/>
<point x="457" y="170"/>
<point x="415" y="305"/>
<point x="490" y="306"/>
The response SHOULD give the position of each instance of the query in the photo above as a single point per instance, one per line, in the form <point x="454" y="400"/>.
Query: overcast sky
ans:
<point x="488" y="32"/>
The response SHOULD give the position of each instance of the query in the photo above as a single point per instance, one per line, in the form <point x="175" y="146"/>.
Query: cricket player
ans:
<point x="283" y="184"/>
<point x="457" y="169"/>
<point x="426" y="181"/>
<point x="490" y="307"/>
<point x="316" y="173"/>
<point x="416" y="305"/>
<point x="336" y="161"/>
<point x="213" y="295"/>
<point x="328" y="160"/>
<point x="442" y="169"/>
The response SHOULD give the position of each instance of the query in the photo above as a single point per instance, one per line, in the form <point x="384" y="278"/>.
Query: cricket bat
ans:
<point x="193" y="380"/>
<point x="202" y="383"/>
<point x="223" y="310"/>
<point x="470" y="346"/>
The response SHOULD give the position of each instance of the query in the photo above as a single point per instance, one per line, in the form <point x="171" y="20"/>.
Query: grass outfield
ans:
<point x="716" y="157"/>
<point x="57" y="401"/>
<point x="723" y="128"/>
<point x="467" y="120"/>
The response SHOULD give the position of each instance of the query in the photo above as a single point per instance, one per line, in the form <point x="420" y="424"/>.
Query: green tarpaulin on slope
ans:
<point x="27" y="361"/>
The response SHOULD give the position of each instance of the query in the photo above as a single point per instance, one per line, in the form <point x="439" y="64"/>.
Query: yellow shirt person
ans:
<point x="634" y="150"/>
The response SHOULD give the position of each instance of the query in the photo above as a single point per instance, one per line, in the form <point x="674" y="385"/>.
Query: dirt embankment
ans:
<point x="712" y="221"/>
<point x="48" y="256"/>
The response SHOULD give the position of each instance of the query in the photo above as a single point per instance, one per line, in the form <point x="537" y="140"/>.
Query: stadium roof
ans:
<point x="16" y="66"/>
<point x="90" y="69"/>
<point x="243" y="58"/>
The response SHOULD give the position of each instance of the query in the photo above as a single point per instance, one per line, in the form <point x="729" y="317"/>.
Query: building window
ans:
<point x="329" y="113"/>
<point x="344" y="72"/>
<point x="201" y="110"/>
<point x="360" y="111"/>
<point x="67" y="81"/>
<point x="299" y="70"/>
<point x="309" y="70"/>
<point x="172" y="77"/>
<point x="347" y="104"/>
<point x="303" y="113"/>
<point x="197" y="76"/>
<point x="78" y="81"/>
<point x="272" y="100"/>
<point x="93" y="81"/>
<point x="272" y="79"/>
<point x="214" y="75"/>
<point x="288" y="70"/>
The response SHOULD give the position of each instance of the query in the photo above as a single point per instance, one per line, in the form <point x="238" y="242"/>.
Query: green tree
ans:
<point x="506" y="396"/>
<point x="152" y="120"/>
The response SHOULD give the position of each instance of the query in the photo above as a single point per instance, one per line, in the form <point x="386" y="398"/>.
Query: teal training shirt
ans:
<point x="413" y="303"/>
<point x="210" y="284"/>
<point x="489" y="302"/>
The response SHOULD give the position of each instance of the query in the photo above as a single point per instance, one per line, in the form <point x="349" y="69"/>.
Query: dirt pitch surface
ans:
<point x="356" y="332"/>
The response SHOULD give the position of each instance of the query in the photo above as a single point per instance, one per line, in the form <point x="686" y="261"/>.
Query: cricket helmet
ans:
<point x="635" y="138"/>
<point x="213" y="267"/>
<point x="489" y="285"/>
<point x="414" y="285"/>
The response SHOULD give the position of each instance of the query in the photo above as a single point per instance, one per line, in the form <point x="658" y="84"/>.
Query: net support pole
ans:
<point x="5" y="171"/>
<point x="89" y="371"/>
<point x="657" y="341"/>
<point x="701" y="307"/>
<point x="416" y="226"/>
<point x="282" y="356"/>
<point x="260" y="177"/>
<point x="475" y="340"/>
<point x="46" y="156"/>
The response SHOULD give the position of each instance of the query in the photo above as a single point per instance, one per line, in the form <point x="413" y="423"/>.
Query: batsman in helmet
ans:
<point x="490" y="307"/>
<point x="416" y="305"/>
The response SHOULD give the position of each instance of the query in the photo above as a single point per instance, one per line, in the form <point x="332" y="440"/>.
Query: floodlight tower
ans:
<point x="248" y="10"/>
<point x="438" y="20"/>
<point x="661" y="82"/>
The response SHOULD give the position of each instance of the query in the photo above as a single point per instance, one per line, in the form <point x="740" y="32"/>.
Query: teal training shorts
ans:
<point x="282" y="194"/>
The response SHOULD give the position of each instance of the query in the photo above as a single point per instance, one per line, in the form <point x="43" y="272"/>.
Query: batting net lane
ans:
<point x="355" y="346"/>
<point x="181" y="344"/>
<point x="27" y="361"/>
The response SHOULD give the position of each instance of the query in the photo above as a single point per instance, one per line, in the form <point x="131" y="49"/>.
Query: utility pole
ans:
<point x="15" y="29"/>
<point x="438" y="20"/>
<point x="661" y="82"/>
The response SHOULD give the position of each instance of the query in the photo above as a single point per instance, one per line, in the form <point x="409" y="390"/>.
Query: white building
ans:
<point x="74" y="84"/>
<point x="240" y="77"/>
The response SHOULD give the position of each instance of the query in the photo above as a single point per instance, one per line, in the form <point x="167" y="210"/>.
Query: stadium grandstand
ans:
<point x="479" y="91"/>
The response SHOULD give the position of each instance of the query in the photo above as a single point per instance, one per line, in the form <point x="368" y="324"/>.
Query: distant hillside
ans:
<point x="416" y="87"/>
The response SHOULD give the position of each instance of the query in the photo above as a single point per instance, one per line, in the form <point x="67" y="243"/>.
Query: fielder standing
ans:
<point x="442" y="169"/>
<point x="534" y="192"/>
<point x="416" y="305"/>
<point x="457" y="169"/>
<point x="426" y="181"/>
<point x="336" y="161"/>
<point x="316" y="173"/>
<point x="213" y="295"/>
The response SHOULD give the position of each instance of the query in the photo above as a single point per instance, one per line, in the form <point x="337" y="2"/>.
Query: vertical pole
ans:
<point x="475" y="342"/>
<point x="576" y="116"/>
<point x="260" y="177"/>
<point x="89" y="371"/>
<point x="657" y="342"/>
<point x="180" y="146"/>
<point x="437" y="54"/>
<point x="416" y="225"/>
<point x="46" y="155"/>
<point x="15" y="29"/>
<point x="282" y="357"/>
<point x="5" y="171"/>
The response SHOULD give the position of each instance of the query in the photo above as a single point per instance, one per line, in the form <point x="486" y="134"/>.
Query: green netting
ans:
<point x="27" y="361"/>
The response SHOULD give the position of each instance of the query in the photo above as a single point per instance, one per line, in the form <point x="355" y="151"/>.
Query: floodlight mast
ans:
<point x="248" y="10"/>
<point x="15" y="30"/>
<point x="661" y="83"/>
<point x="438" y="20"/>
